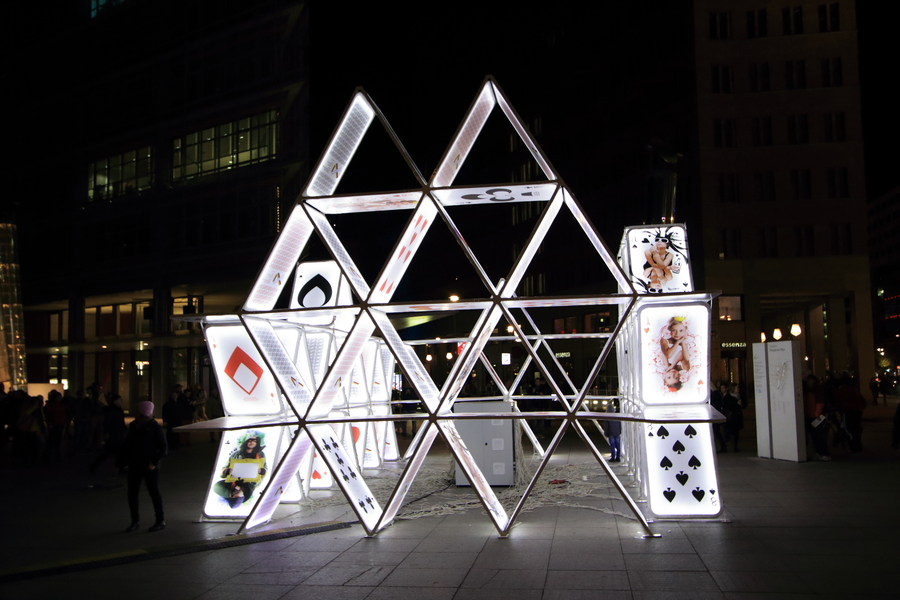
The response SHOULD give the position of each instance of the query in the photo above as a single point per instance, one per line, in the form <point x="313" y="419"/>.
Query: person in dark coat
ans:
<point x="143" y="449"/>
<point x="114" y="429"/>
<point x="613" y="430"/>
<point x="733" y="409"/>
<point x="715" y="400"/>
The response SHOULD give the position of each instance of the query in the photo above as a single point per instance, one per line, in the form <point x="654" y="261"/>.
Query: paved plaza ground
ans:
<point x="808" y="530"/>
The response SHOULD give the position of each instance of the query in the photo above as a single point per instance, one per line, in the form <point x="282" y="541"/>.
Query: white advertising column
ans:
<point x="779" y="409"/>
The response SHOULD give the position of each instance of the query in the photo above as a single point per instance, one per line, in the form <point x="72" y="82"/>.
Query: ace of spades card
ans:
<point x="681" y="470"/>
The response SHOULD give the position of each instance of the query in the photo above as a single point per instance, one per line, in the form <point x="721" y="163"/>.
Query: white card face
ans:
<point x="399" y="261"/>
<point x="342" y="148"/>
<point x="350" y="480"/>
<point x="496" y="194"/>
<point x="681" y="470"/>
<point x="336" y="205"/>
<point x="658" y="259"/>
<point x="274" y="275"/>
<point x="299" y="392"/>
<point x="245" y="383"/>
<point x="468" y="133"/>
<point x="236" y="486"/>
<point x="319" y="285"/>
<point x="282" y="481"/>
<point x="674" y="351"/>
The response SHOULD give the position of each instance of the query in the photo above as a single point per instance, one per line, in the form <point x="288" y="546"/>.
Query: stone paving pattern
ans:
<point x="809" y="530"/>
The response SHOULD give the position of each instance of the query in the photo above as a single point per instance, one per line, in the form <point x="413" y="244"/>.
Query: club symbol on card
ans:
<point x="678" y="447"/>
<point x="694" y="462"/>
<point x="682" y="477"/>
<point x="326" y="446"/>
<point x="370" y="502"/>
<point x="690" y="431"/>
<point x="352" y="474"/>
<point x="362" y="505"/>
<point x="698" y="494"/>
<point x="662" y="432"/>
<point x="665" y="463"/>
<point x="243" y="370"/>
<point x="315" y="293"/>
<point x="669" y="493"/>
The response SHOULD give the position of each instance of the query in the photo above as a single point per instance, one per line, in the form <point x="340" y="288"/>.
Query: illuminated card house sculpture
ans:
<point x="310" y="367"/>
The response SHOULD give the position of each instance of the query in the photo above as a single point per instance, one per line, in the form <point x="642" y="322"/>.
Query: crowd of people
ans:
<point x="91" y="422"/>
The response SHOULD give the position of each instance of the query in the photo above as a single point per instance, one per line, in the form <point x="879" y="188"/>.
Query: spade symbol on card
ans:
<point x="690" y="431"/>
<point x="315" y="292"/>
<point x="713" y="492"/>
<point x="694" y="462"/>
<point x="678" y="447"/>
<point x="662" y="432"/>
<point x="665" y="463"/>
<point x="669" y="493"/>
<point x="682" y="477"/>
<point x="698" y="494"/>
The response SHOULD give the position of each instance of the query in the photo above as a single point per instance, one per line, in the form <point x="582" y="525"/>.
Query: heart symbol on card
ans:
<point x="678" y="447"/>
<point x="662" y="432"/>
<point x="682" y="477"/>
<point x="355" y="434"/>
<point x="698" y="494"/>
<point x="665" y="463"/>
<point x="316" y="475"/>
<point x="669" y="493"/>
<point x="694" y="462"/>
<point x="690" y="431"/>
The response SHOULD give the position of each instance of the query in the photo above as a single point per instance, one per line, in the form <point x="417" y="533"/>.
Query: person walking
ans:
<point x="143" y="449"/>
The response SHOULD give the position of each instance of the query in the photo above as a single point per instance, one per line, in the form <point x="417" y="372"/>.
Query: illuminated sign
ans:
<point x="734" y="344"/>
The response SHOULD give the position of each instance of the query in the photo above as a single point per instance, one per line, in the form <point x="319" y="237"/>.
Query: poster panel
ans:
<point x="242" y="471"/>
<point x="674" y="353"/>
<point x="658" y="259"/>
<point x="246" y="386"/>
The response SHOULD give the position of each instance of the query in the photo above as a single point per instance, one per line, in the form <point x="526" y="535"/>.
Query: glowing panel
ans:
<point x="282" y="480"/>
<point x="410" y="241"/>
<point x="299" y="392"/>
<point x="674" y="353"/>
<point x="245" y="384"/>
<point x="496" y="194"/>
<point x="338" y="205"/>
<point x="243" y="470"/>
<point x="468" y="133"/>
<point x="340" y="151"/>
<point x="658" y="260"/>
<point x="350" y="481"/>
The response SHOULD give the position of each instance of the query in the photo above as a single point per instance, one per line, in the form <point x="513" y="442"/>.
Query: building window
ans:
<point x="759" y="77"/>
<point x="730" y="308"/>
<point x="803" y="238"/>
<point x="768" y="242"/>
<point x="761" y="129"/>
<point x="227" y="146"/>
<point x="120" y="174"/>
<point x="837" y="184"/>
<point x="795" y="74"/>
<point x="723" y="133"/>
<point x="829" y="17"/>
<point x="841" y="239"/>
<point x="835" y="130"/>
<point x="757" y="26"/>
<point x="792" y="20"/>
<point x="719" y="26"/>
<point x="764" y="186"/>
<point x="722" y="82"/>
<point x="801" y="184"/>
<point x="98" y="6"/>
<point x="832" y="72"/>
<point x="730" y="243"/>
<point x="726" y="189"/>
<point x="798" y="129"/>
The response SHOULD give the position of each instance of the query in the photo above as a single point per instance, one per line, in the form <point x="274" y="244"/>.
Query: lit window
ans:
<point x="227" y="146"/>
<point x="120" y="174"/>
